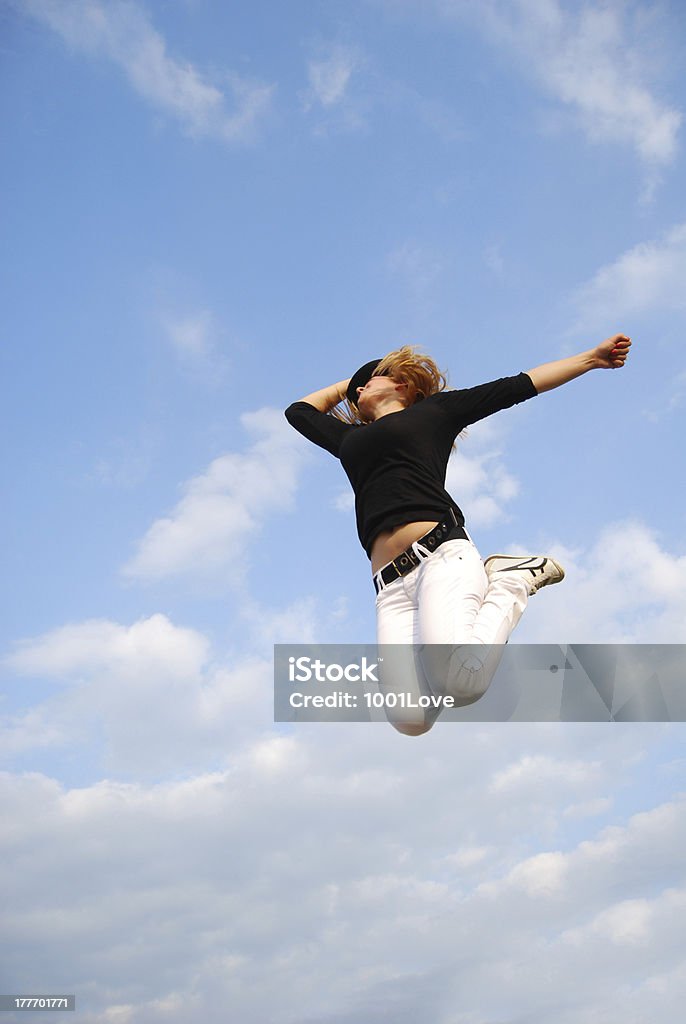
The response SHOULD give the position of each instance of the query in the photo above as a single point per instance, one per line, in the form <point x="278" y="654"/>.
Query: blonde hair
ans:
<point x="405" y="366"/>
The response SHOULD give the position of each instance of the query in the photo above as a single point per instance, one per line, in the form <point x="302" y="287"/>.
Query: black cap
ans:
<point x="360" y="378"/>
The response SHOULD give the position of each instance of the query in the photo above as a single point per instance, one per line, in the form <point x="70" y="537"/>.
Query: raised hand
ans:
<point x="612" y="353"/>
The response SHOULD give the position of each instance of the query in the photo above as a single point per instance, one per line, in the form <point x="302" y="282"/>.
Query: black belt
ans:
<point x="448" y="529"/>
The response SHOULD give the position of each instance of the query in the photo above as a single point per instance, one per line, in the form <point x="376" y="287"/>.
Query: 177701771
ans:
<point x="37" y="1002"/>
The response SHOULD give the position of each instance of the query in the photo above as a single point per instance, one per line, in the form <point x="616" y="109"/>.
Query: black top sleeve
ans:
<point x="318" y="427"/>
<point x="469" y="405"/>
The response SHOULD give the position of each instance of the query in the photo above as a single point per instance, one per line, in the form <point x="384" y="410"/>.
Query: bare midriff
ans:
<point x="391" y="543"/>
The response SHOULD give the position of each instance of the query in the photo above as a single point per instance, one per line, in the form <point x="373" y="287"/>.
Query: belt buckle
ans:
<point x="400" y="572"/>
<point x="411" y="559"/>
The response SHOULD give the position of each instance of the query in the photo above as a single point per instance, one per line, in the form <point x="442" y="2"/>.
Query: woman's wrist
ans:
<point x="591" y="359"/>
<point x="343" y="388"/>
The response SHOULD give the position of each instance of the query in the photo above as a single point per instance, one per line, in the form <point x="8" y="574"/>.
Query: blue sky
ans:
<point x="211" y="210"/>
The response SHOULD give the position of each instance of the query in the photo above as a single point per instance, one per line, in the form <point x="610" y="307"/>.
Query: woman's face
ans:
<point x="377" y="390"/>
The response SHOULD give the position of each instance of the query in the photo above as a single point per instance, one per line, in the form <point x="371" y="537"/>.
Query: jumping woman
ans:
<point x="393" y="425"/>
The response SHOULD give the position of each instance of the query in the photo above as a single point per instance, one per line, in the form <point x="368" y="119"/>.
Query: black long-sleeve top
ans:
<point x="397" y="464"/>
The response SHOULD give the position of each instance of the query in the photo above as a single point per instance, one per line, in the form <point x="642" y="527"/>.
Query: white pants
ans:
<point x="425" y="619"/>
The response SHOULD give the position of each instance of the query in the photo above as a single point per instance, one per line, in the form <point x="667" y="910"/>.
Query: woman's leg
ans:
<point x="457" y="604"/>
<point x="401" y="677"/>
<point x="443" y="628"/>
<point x="464" y="619"/>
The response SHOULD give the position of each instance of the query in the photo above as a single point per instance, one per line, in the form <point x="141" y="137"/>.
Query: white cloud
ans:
<point x="150" y="645"/>
<point x="648" y="277"/>
<point x="625" y="923"/>
<point x="303" y="621"/>
<point x="344" y="501"/>
<point x="343" y="860"/>
<point x="481" y="479"/>
<point x="582" y="872"/>
<point x="337" y="97"/>
<point x="532" y="770"/>
<point x="329" y="76"/>
<point x="590" y="808"/>
<point x="344" y="89"/>
<point x="152" y="697"/>
<point x="544" y="875"/>
<point x="120" y="31"/>
<point x="468" y="857"/>
<point x="224" y="509"/>
<point x="149" y="690"/>
<point x="191" y="335"/>
<point x="590" y="57"/>
<point x="624" y="588"/>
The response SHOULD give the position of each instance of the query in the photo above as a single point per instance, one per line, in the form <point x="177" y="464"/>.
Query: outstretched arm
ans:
<point x="327" y="398"/>
<point x="611" y="354"/>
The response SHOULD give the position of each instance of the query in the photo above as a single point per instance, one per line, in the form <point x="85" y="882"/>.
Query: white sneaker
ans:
<point x="537" y="570"/>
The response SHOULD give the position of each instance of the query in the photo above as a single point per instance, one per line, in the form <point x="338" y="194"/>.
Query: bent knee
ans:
<point x="412" y="730"/>
<point x="467" y="691"/>
<point x="469" y="679"/>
